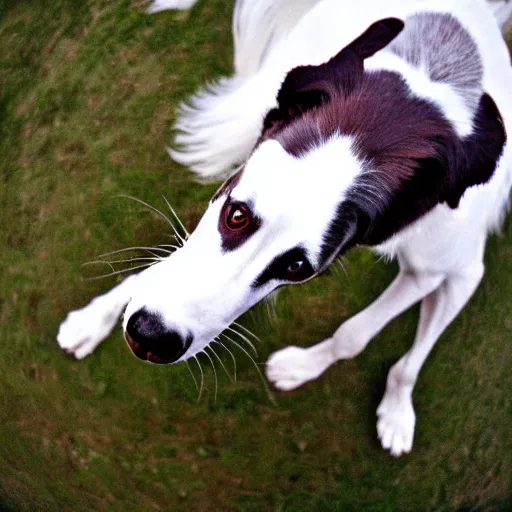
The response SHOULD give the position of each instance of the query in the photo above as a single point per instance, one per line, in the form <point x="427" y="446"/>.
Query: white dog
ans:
<point x="377" y="123"/>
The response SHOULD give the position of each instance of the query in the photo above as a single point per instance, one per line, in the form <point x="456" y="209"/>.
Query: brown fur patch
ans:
<point x="411" y="156"/>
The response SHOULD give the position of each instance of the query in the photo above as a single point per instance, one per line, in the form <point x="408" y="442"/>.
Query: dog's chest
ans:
<point x="438" y="242"/>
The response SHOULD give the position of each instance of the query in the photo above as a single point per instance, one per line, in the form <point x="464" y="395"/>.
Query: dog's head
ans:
<point x="347" y="157"/>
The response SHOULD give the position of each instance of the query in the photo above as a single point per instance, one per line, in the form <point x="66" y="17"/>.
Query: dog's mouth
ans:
<point x="156" y="354"/>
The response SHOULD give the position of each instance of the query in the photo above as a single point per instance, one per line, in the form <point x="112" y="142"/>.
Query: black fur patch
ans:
<point x="278" y="268"/>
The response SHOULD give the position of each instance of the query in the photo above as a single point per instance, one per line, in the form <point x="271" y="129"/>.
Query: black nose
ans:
<point x="150" y="340"/>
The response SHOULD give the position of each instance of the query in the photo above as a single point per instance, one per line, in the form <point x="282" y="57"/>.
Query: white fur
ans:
<point x="162" y="5"/>
<point x="286" y="224"/>
<point x="445" y="97"/>
<point x="213" y="136"/>
<point x="270" y="21"/>
<point x="502" y="10"/>
<point x="84" y="329"/>
<point x="202" y="288"/>
<point x="291" y="179"/>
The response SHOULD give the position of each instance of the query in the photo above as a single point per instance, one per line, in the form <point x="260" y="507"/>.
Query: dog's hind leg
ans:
<point x="293" y="366"/>
<point x="396" y="418"/>
<point x="84" y="329"/>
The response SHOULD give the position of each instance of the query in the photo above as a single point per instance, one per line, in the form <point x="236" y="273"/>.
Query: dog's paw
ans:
<point x="164" y="5"/>
<point x="84" y="329"/>
<point x="396" y="421"/>
<point x="291" y="367"/>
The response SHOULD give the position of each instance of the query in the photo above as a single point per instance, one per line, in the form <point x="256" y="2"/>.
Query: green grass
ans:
<point x="88" y="91"/>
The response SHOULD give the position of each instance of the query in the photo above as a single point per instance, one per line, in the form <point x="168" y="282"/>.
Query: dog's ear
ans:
<point x="474" y="160"/>
<point x="376" y="37"/>
<point x="307" y="87"/>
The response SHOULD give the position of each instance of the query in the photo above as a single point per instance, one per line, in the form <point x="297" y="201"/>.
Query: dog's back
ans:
<point x="450" y="52"/>
<point x="220" y="126"/>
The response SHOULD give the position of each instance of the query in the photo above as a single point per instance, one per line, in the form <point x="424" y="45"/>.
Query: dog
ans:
<point x="378" y="124"/>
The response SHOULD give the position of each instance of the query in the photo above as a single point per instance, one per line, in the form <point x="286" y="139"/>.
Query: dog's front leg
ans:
<point x="396" y="421"/>
<point x="293" y="366"/>
<point x="84" y="329"/>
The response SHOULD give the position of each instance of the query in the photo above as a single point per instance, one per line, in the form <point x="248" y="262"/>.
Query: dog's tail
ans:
<point x="220" y="125"/>
<point x="502" y="10"/>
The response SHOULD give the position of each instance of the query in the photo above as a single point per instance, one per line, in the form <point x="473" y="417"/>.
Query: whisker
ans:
<point x="340" y="265"/>
<point x="153" y="209"/>
<point x="202" y="379"/>
<point x="132" y="249"/>
<point x="216" y="340"/>
<point x="224" y="335"/>
<point x="193" y="376"/>
<point x="177" y="239"/>
<point x="244" y="338"/>
<point x="271" y="310"/>
<point x="221" y="363"/>
<point x="181" y="239"/>
<point x="147" y="205"/>
<point x="263" y="380"/>
<point x="270" y="302"/>
<point x="115" y="272"/>
<point x="383" y="257"/>
<point x="160" y="258"/>
<point x="127" y="260"/>
<point x="187" y="234"/>
<point x="214" y="373"/>
<point x="250" y="333"/>
<point x="173" y="247"/>
<point x="97" y="262"/>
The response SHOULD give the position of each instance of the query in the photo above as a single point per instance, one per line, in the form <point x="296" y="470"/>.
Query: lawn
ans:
<point x="88" y="92"/>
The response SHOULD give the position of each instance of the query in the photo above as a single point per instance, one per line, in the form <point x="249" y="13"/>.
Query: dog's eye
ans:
<point x="298" y="270"/>
<point x="295" y="267"/>
<point x="237" y="217"/>
<point x="236" y="224"/>
<point x="292" y="266"/>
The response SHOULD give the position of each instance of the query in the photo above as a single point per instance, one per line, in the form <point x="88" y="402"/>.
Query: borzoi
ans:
<point x="369" y="123"/>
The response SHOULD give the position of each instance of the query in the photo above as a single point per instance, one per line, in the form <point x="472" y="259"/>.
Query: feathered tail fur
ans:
<point x="219" y="126"/>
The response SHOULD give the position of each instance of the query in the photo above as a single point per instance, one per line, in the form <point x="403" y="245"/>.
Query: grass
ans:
<point x="88" y="91"/>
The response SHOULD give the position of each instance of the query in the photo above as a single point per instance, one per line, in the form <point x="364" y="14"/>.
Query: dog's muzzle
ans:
<point x="150" y="340"/>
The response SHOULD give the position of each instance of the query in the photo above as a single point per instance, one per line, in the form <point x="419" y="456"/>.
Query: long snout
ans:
<point x="182" y="303"/>
<point x="150" y="339"/>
